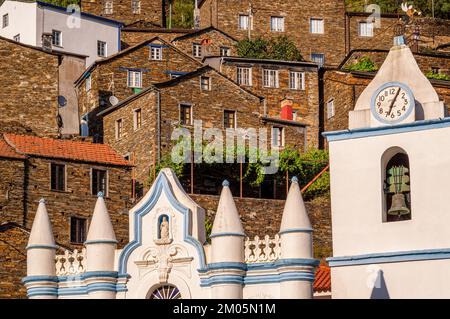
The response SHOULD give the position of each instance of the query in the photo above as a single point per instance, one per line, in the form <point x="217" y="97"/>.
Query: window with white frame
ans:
<point x="318" y="58"/>
<point x="244" y="76"/>
<point x="156" y="53"/>
<point x="205" y="83"/>
<point x="316" y="26"/>
<point x="225" y="51"/>
<point x="101" y="49"/>
<point x="134" y="79"/>
<point x="5" y="20"/>
<point x="17" y="38"/>
<point x="277" y="136"/>
<point x="365" y="29"/>
<point x="57" y="38"/>
<point x="88" y="83"/>
<point x="270" y="78"/>
<point x="119" y="129"/>
<point x="244" y="22"/>
<point x="137" y="119"/>
<point x="196" y="50"/>
<point x="296" y="80"/>
<point x="136" y="6"/>
<point x="330" y="109"/>
<point x="108" y="7"/>
<point x="277" y="24"/>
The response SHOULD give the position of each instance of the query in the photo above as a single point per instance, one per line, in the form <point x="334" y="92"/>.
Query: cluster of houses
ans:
<point x="89" y="99"/>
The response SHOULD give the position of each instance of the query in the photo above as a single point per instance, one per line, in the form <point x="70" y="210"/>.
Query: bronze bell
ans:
<point x="398" y="206"/>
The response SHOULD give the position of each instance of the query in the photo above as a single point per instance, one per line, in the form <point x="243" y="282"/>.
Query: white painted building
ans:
<point x="168" y="257"/>
<point x="80" y="33"/>
<point x="390" y="186"/>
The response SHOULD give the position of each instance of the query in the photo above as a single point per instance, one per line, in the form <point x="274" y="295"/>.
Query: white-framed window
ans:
<point x="137" y="119"/>
<point x="102" y="49"/>
<point x="244" y="22"/>
<point x="197" y="50"/>
<point x="316" y="26"/>
<point x="270" y="78"/>
<point x="136" y="6"/>
<point x="365" y="29"/>
<point x="296" y="80"/>
<point x="277" y="24"/>
<point x="277" y="136"/>
<point x="318" y="58"/>
<point x="108" y="7"/>
<point x="225" y="51"/>
<point x="134" y="79"/>
<point x="17" y="37"/>
<point x="57" y="38"/>
<point x="244" y="76"/>
<point x="205" y="83"/>
<point x="88" y="83"/>
<point x="330" y="108"/>
<point x="5" y="20"/>
<point x="156" y="53"/>
<point x="119" y="129"/>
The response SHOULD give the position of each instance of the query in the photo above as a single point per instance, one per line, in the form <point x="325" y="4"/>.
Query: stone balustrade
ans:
<point x="260" y="250"/>
<point x="71" y="263"/>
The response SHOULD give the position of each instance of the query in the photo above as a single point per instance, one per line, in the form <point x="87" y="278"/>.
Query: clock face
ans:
<point x="392" y="103"/>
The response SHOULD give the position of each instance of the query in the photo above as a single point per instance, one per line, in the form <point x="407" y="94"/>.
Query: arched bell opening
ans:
<point x="396" y="185"/>
<point x="165" y="292"/>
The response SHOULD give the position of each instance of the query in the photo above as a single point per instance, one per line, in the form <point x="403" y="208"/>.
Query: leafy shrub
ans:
<point x="363" y="64"/>
<point x="281" y="48"/>
<point x="437" y="76"/>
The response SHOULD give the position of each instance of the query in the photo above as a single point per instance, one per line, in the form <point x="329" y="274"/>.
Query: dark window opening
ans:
<point x="99" y="182"/>
<point x="185" y="114"/>
<point x="229" y="119"/>
<point x="77" y="230"/>
<point x="58" y="178"/>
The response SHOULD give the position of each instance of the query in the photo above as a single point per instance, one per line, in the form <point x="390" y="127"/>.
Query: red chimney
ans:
<point x="286" y="110"/>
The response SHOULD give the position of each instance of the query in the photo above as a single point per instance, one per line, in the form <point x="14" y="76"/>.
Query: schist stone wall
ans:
<point x="11" y="190"/>
<point x="28" y="98"/>
<point x="132" y="35"/>
<point x="122" y="10"/>
<point x="263" y="216"/>
<point x="224" y="15"/>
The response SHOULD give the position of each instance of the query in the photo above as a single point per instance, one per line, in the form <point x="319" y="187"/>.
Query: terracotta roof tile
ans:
<point x="322" y="283"/>
<point x="65" y="149"/>
<point x="8" y="152"/>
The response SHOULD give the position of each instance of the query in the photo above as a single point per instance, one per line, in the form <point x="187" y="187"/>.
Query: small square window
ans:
<point x="99" y="182"/>
<point x="244" y="76"/>
<point x="365" y="29"/>
<point x="5" y="20"/>
<point x="205" y="83"/>
<point x="225" y="51"/>
<point x="318" y="58"/>
<point x="156" y="53"/>
<point x="316" y="26"/>
<point x="58" y="177"/>
<point x="330" y="109"/>
<point x="88" y="83"/>
<point x="277" y="136"/>
<point x="134" y="79"/>
<point x="119" y="129"/>
<point x="17" y="38"/>
<point x="137" y="119"/>
<point x="244" y="22"/>
<point x="135" y="6"/>
<point x="296" y="80"/>
<point x="57" y="38"/>
<point x="108" y="8"/>
<point x="185" y="114"/>
<point x="196" y="50"/>
<point x="277" y="24"/>
<point x="229" y="119"/>
<point x="77" y="230"/>
<point x="101" y="49"/>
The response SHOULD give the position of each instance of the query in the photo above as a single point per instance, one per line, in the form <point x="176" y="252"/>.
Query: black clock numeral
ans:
<point x="387" y="113"/>
<point x="404" y="108"/>
<point x="380" y="111"/>
<point x="399" y="113"/>
<point x="392" y="115"/>
<point x="381" y="98"/>
<point x="392" y="91"/>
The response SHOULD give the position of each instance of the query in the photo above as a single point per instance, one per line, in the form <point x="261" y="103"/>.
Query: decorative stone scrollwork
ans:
<point x="71" y="263"/>
<point x="262" y="250"/>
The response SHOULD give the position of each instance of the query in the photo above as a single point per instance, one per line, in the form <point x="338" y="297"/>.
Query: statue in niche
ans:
<point x="164" y="232"/>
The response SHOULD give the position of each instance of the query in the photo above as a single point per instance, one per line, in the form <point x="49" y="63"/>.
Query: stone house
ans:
<point x="39" y="23"/>
<point x="277" y="81"/>
<point x="312" y="25"/>
<point x="128" y="11"/>
<point x="69" y="174"/>
<point x="119" y="76"/>
<point x="37" y="95"/>
<point x="342" y="87"/>
<point x="206" y="42"/>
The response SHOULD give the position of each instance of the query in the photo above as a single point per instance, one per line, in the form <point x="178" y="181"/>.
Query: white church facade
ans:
<point x="168" y="257"/>
<point x="390" y="186"/>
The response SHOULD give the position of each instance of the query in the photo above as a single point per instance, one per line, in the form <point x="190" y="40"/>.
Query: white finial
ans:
<point x="101" y="228"/>
<point x="41" y="232"/>
<point x="294" y="213"/>
<point x="227" y="219"/>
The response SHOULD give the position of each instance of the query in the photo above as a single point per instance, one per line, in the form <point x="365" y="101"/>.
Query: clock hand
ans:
<point x="393" y="101"/>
